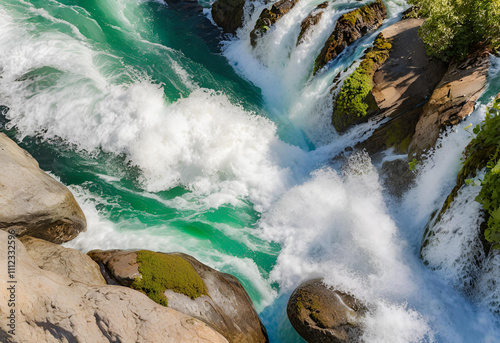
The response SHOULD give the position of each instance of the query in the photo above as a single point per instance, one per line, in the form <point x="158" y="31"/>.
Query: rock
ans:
<point x="64" y="261"/>
<point x="400" y="86"/>
<point x="397" y="176"/>
<point x="452" y="100"/>
<point x="349" y="28"/>
<point x="227" y="307"/>
<point x="311" y="20"/>
<point x="119" y="267"/>
<point x="321" y="314"/>
<point x="269" y="17"/>
<point x="33" y="203"/>
<point x="228" y="14"/>
<point x="395" y="134"/>
<point x="53" y="308"/>
<point x="408" y="77"/>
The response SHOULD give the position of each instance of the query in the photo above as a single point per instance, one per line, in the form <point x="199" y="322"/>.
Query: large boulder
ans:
<point x="48" y="307"/>
<point x="33" y="203"/>
<point x="269" y="17"/>
<point x="220" y="299"/>
<point x="452" y="100"/>
<point x="228" y="14"/>
<point x="400" y="86"/>
<point x="321" y="314"/>
<point x="349" y="28"/>
<point x="64" y="261"/>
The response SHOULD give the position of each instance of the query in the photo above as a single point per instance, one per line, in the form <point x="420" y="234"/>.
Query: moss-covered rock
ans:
<point x="321" y="314"/>
<point x="349" y="28"/>
<point x="355" y="103"/>
<point x="188" y="286"/>
<point x="268" y="17"/>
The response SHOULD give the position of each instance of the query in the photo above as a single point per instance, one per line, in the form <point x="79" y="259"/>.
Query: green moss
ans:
<point x="350" y="17"/>
<point x="161" y="272"/>
<point x="354" y="99"/>
<point x="366" y="13"/>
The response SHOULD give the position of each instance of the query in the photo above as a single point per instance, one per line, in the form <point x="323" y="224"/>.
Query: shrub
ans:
<point x="454" y="26"/>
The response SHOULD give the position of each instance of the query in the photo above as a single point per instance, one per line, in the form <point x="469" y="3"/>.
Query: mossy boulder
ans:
<point x="182" y="283"/>
<point x="53" y="307"/>
<point x="321" y="314"/>
<point x="349" y="28"/>
<point x="228" y="14"/>
<point x="401" y="86"/>
<point x="355" y="102"/>
<point x="268" y="17"/>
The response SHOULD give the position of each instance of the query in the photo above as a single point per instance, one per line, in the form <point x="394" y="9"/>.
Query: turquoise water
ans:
<point x="174" y="141"/>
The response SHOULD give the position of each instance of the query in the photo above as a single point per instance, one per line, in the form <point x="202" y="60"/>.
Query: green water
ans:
<point x="141" y="40"/>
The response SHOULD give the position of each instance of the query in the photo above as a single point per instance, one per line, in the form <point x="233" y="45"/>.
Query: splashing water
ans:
<point x="170" y="146"/>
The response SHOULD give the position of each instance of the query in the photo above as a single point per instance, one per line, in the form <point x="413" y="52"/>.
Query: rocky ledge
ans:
<point x="400" y="87"/>
<point x="453" y="100"/>
<point x="33" y="203"/>
<point x="51" y="307"/>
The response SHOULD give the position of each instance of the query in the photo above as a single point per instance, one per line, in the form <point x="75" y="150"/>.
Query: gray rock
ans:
<point x="53" y="308"/>
<point x="323" y="315"/>
<point x="64" y="261"/>
<point x="33" y="203"/>
<point x="227" y="308"/>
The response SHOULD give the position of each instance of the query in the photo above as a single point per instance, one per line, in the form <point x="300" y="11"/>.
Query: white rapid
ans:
<point x="283" y="69"/>
<point x="63" y="81"/>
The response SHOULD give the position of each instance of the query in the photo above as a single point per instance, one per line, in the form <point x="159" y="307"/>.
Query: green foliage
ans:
<point x="161" y="272"/>
<point x="351" y="98"/>
<point x="488" y="140"/>
<point x="454" y="26"/>
<point x="351" y="102"/>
